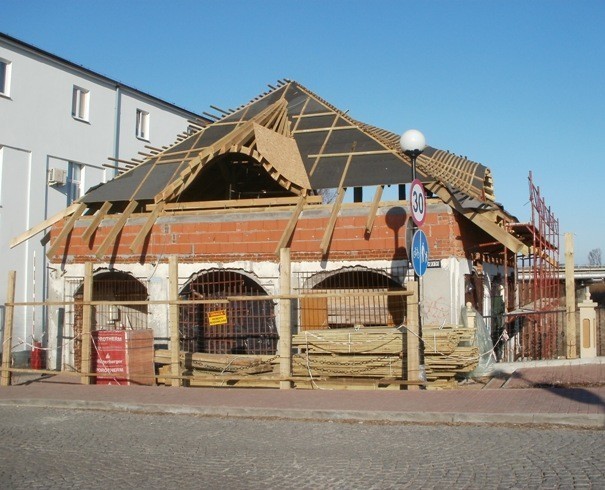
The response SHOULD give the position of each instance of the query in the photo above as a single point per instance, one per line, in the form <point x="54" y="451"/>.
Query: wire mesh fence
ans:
<point x="534" y="336"/>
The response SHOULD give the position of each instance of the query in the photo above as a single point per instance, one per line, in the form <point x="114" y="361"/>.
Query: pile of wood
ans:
<point x="207" y="367"/>
<point x="369" y="356"/>
<point x="373" y="352"/>
<point x="448" y="352"/>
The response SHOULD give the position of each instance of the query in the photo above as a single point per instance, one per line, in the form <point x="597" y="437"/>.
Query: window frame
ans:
<point x="74" y="186"/>
<point x="142" y="124"/>
<point x="80" y="103"/>
<point x="5" y="87"/>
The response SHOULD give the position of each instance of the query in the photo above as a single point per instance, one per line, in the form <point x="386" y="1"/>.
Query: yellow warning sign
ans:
<point x="218" y="317"/>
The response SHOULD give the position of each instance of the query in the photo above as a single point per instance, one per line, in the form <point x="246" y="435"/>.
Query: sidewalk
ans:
<point x="580" y="406"/>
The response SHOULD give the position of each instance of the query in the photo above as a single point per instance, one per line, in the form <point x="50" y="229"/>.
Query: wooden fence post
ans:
<point x="7" y="342"/>
<point x="173" y="319"/>
<point x="85" y="367"/>
<point x="413" y="336"/>
<point x="285" y="320"/>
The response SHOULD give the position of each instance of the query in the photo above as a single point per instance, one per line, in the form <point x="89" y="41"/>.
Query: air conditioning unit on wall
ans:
<point x="57" y="176"/>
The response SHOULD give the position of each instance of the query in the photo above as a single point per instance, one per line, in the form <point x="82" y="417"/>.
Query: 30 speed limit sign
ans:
<point x="418" y="202"/>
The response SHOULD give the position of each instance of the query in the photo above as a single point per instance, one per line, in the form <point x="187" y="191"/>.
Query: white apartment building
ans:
<point x="59" y="124"/>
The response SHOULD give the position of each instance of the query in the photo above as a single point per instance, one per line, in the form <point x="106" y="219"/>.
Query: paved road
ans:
<point x="56" y="448"/>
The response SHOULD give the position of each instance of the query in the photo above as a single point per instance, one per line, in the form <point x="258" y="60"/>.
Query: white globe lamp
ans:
<point x="412" y="142"/>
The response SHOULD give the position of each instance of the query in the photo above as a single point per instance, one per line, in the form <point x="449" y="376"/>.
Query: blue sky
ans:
<point x="516" y="85"/>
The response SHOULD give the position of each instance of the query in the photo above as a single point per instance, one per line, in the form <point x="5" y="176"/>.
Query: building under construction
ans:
<point x="230" y="196"/>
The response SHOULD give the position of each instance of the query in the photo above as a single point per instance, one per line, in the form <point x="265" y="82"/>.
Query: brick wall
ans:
<point x="255" y="235"/>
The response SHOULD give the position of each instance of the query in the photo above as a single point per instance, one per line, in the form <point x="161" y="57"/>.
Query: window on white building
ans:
<point x="80" y="103"/>
<point x="5" y="77"/>
<point x="142" y="129"/>
<point x="74" y="181"/>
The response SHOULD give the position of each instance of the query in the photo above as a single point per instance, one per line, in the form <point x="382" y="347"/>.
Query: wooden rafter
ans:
<point x="325" y="241"/>
<point x="323" y="146"/>
<point x="146" y="228"/>
<point x="109" y="239"/>
<point x="235" y="203"/>
<point x="69" y="225"/>
<point x="96" y="220"/>
<point x="42" y="226"/>
<point x="374" y="208"/>
<point x="287" y="233"/>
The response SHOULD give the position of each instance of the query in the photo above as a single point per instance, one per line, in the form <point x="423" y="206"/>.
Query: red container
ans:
<point x="37" y="356"/>
<point x="124" y="357"/>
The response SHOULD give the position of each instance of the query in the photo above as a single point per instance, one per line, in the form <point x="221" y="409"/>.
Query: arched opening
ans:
<point x="342" y="309"/>
<point x="239" y="326"/>
<point x="110" y="286"/>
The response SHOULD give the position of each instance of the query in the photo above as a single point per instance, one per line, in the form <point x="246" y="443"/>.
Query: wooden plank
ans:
<point x="313" y="313"/>
<point x="66" y="229"/>
<point x="325" y="241"/>
<point x="96" y="220"/>
<point x="285" y="321"/>
<point x="173" y="318"/>
<point x="287" y="233"/>
<point x="144" y="231"/>
<point x="413" y="335"/>
<point x="374" y="209"/>
<point x="324" y="144"/>
<point x="7" y="339"/>
<point x="109" y="239"/>
<point x="319" y="130"/>
<point x="85" y="368"/>
<point x="42" y="226"/>
<point x="236" y="203"/>
<point x="351" y="153"/>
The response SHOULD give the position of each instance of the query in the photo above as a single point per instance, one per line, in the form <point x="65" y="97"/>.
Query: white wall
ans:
<point x="38" y="132"/>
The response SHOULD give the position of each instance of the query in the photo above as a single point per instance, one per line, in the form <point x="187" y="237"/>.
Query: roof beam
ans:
<point x="144" y="231"/>
<point x="98" y="217"/>
<point x="109" y="239"/>
<point x="325" y="241"/>
<point x="374" y="209"/>
<point x="42" y="226"/>
<point x="66" y="229"/>
<point x="287" y="234"/>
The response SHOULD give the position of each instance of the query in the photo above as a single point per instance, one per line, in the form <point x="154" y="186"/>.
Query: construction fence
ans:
<point x="219" y="323"/>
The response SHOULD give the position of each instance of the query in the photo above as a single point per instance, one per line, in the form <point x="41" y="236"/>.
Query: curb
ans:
<point x="591" y="421"/>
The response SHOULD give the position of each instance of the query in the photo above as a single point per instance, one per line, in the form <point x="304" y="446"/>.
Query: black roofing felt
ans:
<point x="147" y="180"/>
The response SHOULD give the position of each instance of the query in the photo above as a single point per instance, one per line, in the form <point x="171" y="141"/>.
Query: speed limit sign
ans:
<point x="418" y="202"/>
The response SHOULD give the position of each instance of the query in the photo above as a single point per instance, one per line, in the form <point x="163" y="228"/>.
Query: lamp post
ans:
<point x="413" y="144"/>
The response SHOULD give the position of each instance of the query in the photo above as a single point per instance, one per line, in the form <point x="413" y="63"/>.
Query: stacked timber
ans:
<point x="371" y="352"/>
<point x="449" y="351"/>
<point x="204" y="366"/>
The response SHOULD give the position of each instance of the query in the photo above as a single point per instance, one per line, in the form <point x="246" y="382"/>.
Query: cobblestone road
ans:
<point x="52" y="448"/>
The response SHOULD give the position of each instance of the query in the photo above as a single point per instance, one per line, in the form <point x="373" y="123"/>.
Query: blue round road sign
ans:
<point x="420" y="252"/>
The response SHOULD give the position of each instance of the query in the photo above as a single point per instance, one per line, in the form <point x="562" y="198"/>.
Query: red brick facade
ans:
<point x="255" y="235"/>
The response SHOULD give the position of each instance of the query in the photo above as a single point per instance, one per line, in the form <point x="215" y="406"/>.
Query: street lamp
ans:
<point x="413" y="144"/>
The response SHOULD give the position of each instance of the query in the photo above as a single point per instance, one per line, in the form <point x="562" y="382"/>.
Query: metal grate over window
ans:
<point x="350" y="297"/>
<point x="240" y="326"/>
